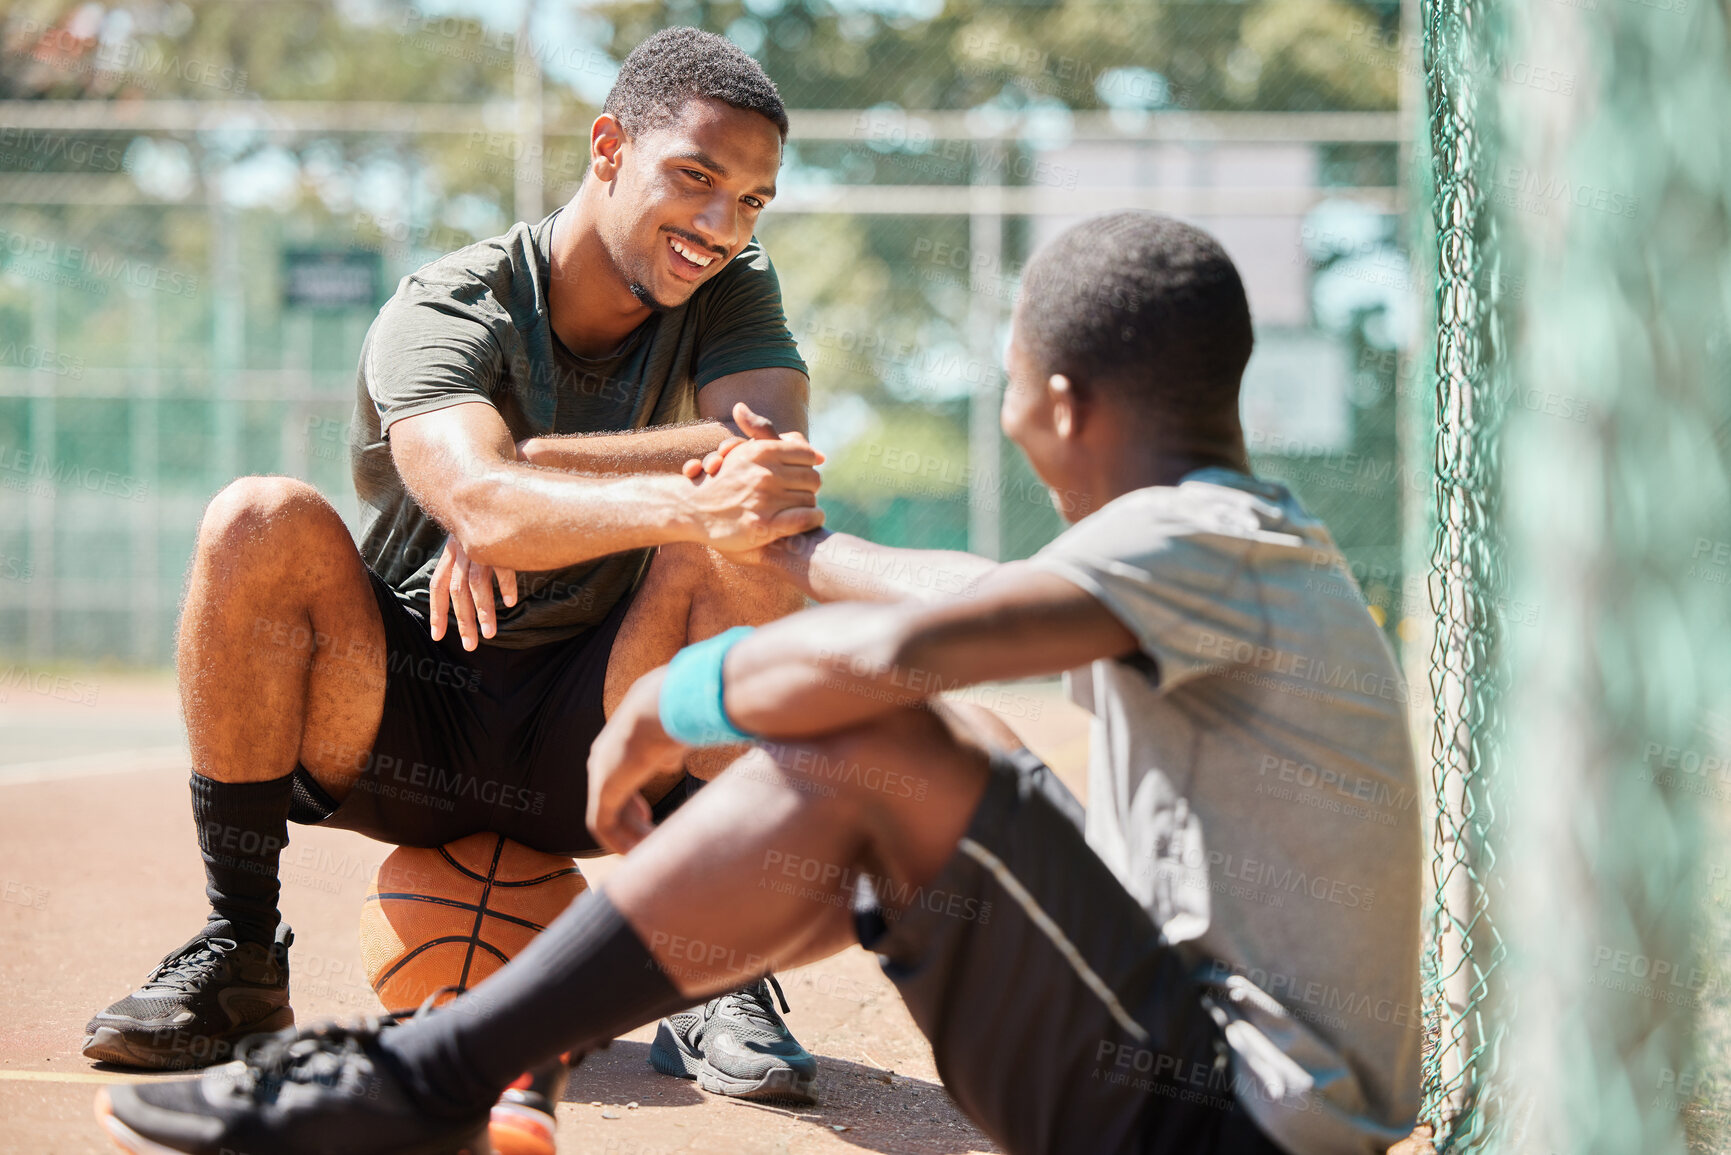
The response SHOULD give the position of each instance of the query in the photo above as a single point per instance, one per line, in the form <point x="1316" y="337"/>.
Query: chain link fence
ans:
<point x="1615" y="211"/>
<point x="1576" y="992"/>
<point x="1462" y="979"/>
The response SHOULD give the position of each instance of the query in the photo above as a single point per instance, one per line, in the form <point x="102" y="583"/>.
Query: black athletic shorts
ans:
<point x="496" y="740"/>
<point x="1059" y="1020"/>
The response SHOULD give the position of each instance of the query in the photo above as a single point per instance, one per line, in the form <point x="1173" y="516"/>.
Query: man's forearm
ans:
<point x="836" y="666"/>
<point x="662" y="449"/>
<point x="462" y="467"/>
<point x="834" y="567"/>
<point x="838" y="669"/>
<point x="530" y="519"/>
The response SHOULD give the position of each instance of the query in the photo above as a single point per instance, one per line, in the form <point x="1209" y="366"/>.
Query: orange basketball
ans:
<point x="451" y="916"/>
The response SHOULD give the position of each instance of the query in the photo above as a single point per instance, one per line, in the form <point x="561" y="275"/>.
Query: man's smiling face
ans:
<point x="684" y="197"/>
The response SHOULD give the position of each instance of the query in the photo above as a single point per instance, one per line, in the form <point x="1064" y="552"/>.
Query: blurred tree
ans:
<point x="886" y="328"/>
<point x="1270" y="55"/>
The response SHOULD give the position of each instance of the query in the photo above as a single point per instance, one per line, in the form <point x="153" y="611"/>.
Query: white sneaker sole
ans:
<point x="125" y="1137"/>
<point x="783" y="1083"/>
<point x="131" y="1141"/>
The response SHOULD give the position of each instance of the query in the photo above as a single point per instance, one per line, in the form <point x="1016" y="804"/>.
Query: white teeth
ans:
<point x="699" y="259"/>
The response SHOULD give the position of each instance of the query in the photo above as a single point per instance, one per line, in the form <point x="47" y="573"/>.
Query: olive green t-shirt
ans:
<point x="474" y="326"/>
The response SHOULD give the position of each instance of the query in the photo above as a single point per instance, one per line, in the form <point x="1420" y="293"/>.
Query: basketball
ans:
<point x="452" y="915"/>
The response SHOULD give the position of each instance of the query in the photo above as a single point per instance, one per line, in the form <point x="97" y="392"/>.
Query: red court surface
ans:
<point x="100" y="876"/>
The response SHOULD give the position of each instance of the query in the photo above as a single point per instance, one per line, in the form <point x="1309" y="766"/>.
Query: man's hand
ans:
<point x="631" y="750"/>
<point x="757" y="428"/>
<point x="468" y="590"/>
<point x="762" y="487"/>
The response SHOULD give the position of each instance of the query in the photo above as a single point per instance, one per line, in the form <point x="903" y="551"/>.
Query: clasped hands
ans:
<point x="747" y="493"/>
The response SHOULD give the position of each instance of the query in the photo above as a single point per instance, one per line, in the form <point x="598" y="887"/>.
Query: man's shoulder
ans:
<point x="470" y="302"/>
<point x="1215" y="506"/>
<point x="494" y="278"/>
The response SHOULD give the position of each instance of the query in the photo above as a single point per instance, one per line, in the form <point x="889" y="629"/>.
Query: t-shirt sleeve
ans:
<point x="743" y="324"/>
<point x="1188" y="597"/>
<point x="427" y="352"/>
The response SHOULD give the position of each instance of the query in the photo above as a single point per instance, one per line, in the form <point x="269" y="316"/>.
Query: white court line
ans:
<point x="94" y="765"/>
<point x="64" y="1077"/>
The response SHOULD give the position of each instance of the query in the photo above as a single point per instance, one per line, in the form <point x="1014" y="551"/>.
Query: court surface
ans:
<point x="100" y="876"/>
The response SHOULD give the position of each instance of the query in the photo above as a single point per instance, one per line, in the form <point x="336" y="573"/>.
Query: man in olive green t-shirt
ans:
<point x="525" y="406"/>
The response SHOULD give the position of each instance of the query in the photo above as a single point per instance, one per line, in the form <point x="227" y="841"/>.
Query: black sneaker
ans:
<point x="737" y="1045"/>
<point x="196" y="1005"/>
<point x="326" y="1089"/>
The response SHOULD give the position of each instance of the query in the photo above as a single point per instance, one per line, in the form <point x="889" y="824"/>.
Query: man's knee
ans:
<point x="677" y="575"/>
<point x="682" y="559"/>
<point x="891" y="759"/>
<point x="278" y="513"/>
<point x="726" y="592"/>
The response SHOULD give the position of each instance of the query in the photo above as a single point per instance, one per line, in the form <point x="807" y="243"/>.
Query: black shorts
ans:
<point x="491" y="741"/>
<point x="1059" y="1020"/>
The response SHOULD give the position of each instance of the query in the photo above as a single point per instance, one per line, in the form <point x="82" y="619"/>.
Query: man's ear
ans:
<point x="606" y="143"/>
<point x="1066" y="407"/>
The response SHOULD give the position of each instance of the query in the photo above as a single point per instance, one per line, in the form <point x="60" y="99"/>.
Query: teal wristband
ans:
<point x="692" y="709"/>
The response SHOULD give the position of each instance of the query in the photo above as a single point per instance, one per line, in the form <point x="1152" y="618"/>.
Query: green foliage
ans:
<point x="1274" y="54"/>
<point x="887" y="325"/>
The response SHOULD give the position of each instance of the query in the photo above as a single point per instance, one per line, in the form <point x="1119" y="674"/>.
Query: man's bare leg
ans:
<point x="281" y="658"/>
<point x="690" y="593"/>
<point x="685" y="916"/>
<point x="281" y="653"/>
<point x="773" y="810"/>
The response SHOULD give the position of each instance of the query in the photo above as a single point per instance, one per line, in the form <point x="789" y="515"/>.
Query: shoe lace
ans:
<point x="321" y="1054"/>
<point x="187" y="968"/>
<point x="753" y="1002"/>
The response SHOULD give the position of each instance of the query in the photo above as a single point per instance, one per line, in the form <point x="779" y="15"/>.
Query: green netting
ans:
<point x="1464" y="948"/>
<point x="1623" y="197"/>
<point x="1575" y="976"/>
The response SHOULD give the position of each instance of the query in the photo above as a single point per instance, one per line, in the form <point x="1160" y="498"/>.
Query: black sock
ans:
<point x="585" y="979"/>
<point x="242" y="828"/>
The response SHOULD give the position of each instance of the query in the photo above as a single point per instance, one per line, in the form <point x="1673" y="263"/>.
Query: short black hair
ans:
<point x="1142" y="304"/>
<point x="678" y="64"/>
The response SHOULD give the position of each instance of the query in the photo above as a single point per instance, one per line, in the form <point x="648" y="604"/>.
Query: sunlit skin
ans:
<point x="826" y="686"/>
<point x="274" y="550"/>
<point x="701" y="180"/>
<point x="1041" y="411"/>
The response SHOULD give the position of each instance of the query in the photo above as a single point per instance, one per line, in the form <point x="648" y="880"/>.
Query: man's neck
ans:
<point x="591" y="307"/>
<point x="1171" y="468"/>
<point x="1114" y="474"/>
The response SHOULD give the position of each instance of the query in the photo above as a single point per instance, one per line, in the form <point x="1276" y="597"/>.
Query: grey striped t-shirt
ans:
<point x="1251" y="783"/>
